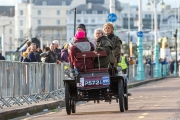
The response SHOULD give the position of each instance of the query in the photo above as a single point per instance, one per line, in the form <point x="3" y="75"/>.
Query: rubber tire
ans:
<point x="126" y="98"/>
<point x="67" y="99"/>
<point x="73" y="107"/>
<point x="121" y="95"/>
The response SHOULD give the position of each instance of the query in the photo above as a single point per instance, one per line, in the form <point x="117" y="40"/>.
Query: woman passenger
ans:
<point x="102" y="43"/>
<point x="116" y="47"/>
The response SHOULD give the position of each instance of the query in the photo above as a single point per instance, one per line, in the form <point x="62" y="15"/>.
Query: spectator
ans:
<point x="51" y="57"/>
<point x="31" y="57"/>
<point x="44" y="54"/>
<point x="57" y="51"/>
<point x="37" y="54"/>
<point x="64" y="54"/>
<point x="28" y="43"/>
<point x="1" y="57"/>
<point x="25" y="54"/>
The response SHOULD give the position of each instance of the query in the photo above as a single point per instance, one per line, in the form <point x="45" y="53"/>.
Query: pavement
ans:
<point x="97" y="110"/>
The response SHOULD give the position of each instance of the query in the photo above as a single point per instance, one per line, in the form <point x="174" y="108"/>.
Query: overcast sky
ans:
<point x="173" y="3"/>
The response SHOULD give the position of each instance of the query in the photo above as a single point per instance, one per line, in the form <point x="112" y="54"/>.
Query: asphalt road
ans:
<point x="153" y="101"/>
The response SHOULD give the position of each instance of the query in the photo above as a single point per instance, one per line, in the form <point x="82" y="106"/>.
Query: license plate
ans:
<point x="92" y="82"/>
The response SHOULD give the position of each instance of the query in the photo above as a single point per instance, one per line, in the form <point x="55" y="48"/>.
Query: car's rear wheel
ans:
<point x="67" y="99"/>
<point x="121" y="95"/>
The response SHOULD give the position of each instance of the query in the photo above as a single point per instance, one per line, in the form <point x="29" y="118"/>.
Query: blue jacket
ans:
<point x="2" y="57"/>
<point x="31" y="57"/>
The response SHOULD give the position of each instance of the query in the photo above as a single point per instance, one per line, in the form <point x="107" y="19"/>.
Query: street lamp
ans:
<point x="140" y="67"/>
<point x="155" y="2"/>
<point x="3" y="38"/>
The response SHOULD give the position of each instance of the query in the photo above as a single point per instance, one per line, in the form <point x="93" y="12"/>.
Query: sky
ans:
<point x="173" y="3"/>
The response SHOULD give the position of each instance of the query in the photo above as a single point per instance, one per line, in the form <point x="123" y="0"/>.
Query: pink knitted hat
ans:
<point x="80" y="34"/>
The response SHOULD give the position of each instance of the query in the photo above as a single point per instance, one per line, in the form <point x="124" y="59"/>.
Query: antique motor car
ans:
<point x="95" y="85"/>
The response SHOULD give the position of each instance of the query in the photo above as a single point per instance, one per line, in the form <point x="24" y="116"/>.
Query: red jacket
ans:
<point x="79" y="63"/>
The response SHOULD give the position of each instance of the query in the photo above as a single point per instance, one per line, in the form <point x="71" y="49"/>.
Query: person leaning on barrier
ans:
<point x="64" y="54"/>
<point x="102" y="43"/>
<point x="37" y="54"/>
<point x="50" y="56"/>
<point x="1" y="57"/>
<point x="44" y="54"/>
<point x="25" y="54"/>
<point x="31" y="56"/>
<point x="57" y="50"/>
<point x="28" y="43"/>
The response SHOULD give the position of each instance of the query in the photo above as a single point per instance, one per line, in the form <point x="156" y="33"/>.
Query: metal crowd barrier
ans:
<point x="148" y="71"/>
<point x="30" y="82"/>
<point x="22" y="83"/>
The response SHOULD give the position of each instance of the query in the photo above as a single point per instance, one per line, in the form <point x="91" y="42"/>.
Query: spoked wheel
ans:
<point x="126" y="98"/>
<point x="73" y="107"/>
<point x="67" y="99"/>
<point x="121" y="95"/>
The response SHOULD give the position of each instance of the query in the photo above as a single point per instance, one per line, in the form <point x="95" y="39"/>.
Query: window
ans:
<point x="93" y="21"/>
<point x="58" y="33"/>
<point x="44" y="3"/>
<point x="94" y="12"/>
<point x="85" y="21"/>
<point x="63" y="2"/>
<point x="39" y="31"/>
<point x="136" y="15"/>
<point x="39" y="12"/>
<point x="105" y="12"/>
<point x="21" y="22"/>
<point x="72" y="12"/>
<point x="92" y="31"/>
<point x="83" y="12"/>
<point x="159" y="16"/>
<point x="58" y="22"/>
<point x="58" y="12"/>
<point x="10" y="31"/>
<point x="67" y="11"/>
<point x="78" y="20"/>
<point x="125" y="15"/>
<point x="21" y="33"/>
<point x="10" y="40"/>
<point x="146" y="16"/>
<point x="149" y="16"/>
<point x="21" y="12"/>
<point x="39" y="22"/>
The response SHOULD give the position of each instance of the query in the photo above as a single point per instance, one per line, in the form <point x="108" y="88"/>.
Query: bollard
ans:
<point x="175" y="73"/>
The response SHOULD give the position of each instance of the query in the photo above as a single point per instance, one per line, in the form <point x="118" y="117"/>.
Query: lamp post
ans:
<point x="140" y="68"/>
<point x="156" y="53"/>
<point x="175" y="64"/>
<point x="3" y="39"/>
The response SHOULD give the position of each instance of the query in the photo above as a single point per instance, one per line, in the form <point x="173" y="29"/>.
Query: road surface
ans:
<point x="153" y="101"/>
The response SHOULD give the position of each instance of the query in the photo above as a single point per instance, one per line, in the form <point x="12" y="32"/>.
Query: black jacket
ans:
<point x="2" y="57"/>
<point x="37" y="56"/>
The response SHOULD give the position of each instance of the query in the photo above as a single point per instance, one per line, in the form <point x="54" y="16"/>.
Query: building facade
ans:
<point x="92" y="13"/>
<point x="44" y="19"/>
<point x="7" y="19"/>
